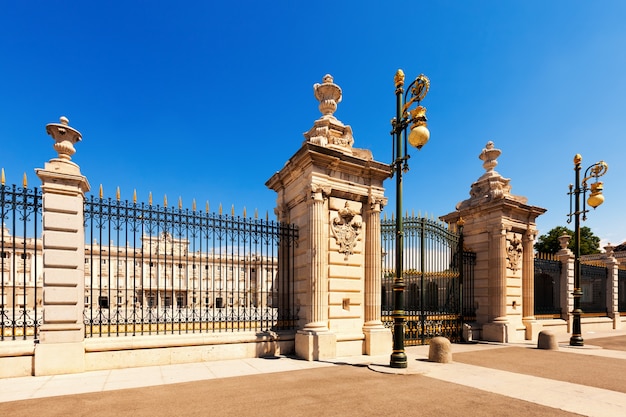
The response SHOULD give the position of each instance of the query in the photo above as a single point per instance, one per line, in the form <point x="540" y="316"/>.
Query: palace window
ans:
<point x="103" y="301"/>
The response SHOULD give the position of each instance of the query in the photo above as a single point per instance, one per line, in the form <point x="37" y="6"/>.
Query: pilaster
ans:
<point x="528" y="286"/>
<point x="378" y="339"/>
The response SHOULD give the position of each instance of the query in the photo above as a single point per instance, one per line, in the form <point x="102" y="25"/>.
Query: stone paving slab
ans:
<point x="484" y="378"/>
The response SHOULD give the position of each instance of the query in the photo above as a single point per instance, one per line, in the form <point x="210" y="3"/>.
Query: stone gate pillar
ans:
<point x="612" y="286"/>
<point x="500" y="228"/>
<point x="566" y="257"/>
<point x="60" y="348"/>
<point x="334" y="193"/>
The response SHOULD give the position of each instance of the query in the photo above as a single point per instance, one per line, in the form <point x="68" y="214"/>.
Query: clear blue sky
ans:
<point x="207" y="99"/>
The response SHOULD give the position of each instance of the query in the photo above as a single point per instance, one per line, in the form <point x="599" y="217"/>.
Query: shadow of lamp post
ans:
<point x="418" y="136"/>
<point x="595" y="199"/>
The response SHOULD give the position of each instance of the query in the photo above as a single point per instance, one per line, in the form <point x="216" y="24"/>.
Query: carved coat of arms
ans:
<point x="346" y="230"/>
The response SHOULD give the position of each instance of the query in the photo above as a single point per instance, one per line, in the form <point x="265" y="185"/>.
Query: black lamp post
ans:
<point x="595" y="199"/>
<point x="418" y="137"/>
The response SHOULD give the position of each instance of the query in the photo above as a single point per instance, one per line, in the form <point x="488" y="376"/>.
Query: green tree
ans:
<point x="549" y="243"/>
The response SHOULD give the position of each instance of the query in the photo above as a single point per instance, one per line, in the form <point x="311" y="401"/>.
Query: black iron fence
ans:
<point x="152" y="269"/>
<point x="155" y="269"/>
<point x="438" y="292"/>
<point x="547" y="286"/>
<point x="20" y="262"/>
<point x="593" y="280"/>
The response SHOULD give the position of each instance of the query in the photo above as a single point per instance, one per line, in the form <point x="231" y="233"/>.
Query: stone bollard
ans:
<point x="547" y="340"/>
<point x="440" y="350"/>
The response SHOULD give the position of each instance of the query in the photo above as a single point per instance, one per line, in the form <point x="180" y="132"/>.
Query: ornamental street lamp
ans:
<point x="417" y="137"/>
<point x="595" y="199"/>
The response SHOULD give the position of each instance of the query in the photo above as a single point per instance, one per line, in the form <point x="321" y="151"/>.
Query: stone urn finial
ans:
<point x="328" y="94"/>
<point x="564" y="241"/>
<point x="489" y="156"/>
<point x="65" y="137"/>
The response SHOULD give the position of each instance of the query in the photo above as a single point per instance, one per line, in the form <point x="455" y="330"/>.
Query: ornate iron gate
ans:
<point x="434" y="281"/>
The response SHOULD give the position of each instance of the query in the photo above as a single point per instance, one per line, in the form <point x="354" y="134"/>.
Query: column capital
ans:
<point x="320" y="192"/>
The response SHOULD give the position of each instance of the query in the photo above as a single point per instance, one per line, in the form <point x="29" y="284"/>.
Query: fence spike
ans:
<point x="150" y="198"/>
<point x="135" y="196"/>
<point x="220" y="209"/>
<point x="267" y="216"/>
<point x="164" y="200"/>
<point x="117" y="193"/>
<point x="256" y="213"/>
<point x="232" y="210"/>
<point x="419" y="214"/>
<point x="24" y="181"/>
<point x="244" y="212"/>
<point x="207" y="207"/>
<point x="2" y="177"/>
<point x="193" y="204"/>
<point x="101" y="192"/>
<point x="180" y="203"/>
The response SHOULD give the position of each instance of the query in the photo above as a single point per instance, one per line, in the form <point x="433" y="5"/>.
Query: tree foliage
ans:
<point x="549" y="243"/>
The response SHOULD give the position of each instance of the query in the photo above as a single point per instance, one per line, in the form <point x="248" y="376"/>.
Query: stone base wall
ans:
<point x="18" y="358"/>
<point x="475" y="331"/>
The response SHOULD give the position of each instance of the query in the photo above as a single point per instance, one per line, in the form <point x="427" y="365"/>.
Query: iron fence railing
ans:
<point x="154" y="270"/>
<point x="435" y="302"/>
<point x="20" y="262"/>
<point x="593" y="284"/>
<point x="547" y="287"/>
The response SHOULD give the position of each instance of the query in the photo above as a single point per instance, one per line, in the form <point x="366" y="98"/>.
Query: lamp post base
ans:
<point x="398" y="360"/>
<point x="576" y="340"/>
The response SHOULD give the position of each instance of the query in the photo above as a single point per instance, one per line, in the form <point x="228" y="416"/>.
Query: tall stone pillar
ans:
<point x="500" y="228"/>
<point x="60" y="348"/>
<point x="566" y="257"/>
<point x="333" y="193"/>
<point x="612" y="286"/>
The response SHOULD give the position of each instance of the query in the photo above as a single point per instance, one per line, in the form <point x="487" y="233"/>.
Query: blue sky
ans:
<point x="207" y="99"/>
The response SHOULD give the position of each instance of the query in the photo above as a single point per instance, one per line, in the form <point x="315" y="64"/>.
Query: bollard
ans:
<point x="440" y="350"/>
<point x="547" y="340"/>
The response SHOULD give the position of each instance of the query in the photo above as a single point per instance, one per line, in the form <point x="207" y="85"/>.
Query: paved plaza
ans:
<point x="485" y="379"/>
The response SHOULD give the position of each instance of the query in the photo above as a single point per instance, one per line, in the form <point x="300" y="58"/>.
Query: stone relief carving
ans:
<point x="514" y="252"/>
<point x="346" y="230"/>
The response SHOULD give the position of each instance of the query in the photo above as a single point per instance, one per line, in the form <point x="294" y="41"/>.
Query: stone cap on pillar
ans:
<point x="491" y="193"/>
<point x="491" y="185"/>
<point x="328" y="131"/>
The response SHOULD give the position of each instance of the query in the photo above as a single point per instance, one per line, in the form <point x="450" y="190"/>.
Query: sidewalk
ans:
<point x="502" y="378"/>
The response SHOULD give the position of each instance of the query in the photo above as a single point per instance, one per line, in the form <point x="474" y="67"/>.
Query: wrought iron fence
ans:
<point x="593" y="284"/>
<point x="469" y="305"/>
<point x="155" y="269"/>
<point x="547" y="286"/>
<point x="435" y="300"/>
<point x="20" y="263"/>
